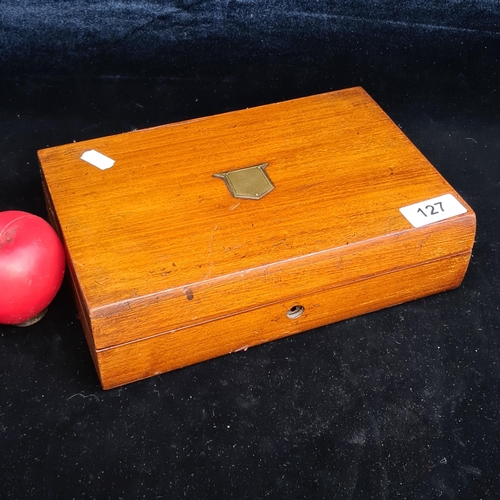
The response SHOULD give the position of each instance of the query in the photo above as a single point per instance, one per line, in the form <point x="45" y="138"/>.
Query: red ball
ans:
<point x="32" y="264"/>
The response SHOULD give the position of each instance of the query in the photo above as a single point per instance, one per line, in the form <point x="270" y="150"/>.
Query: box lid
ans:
<point x="156" y="242"/>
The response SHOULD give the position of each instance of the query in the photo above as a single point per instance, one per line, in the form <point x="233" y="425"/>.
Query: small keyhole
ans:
<point x="295" y="312"/>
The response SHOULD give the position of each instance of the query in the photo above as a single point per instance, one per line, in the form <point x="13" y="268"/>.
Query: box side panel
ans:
<point x="146" y="358"/>
<point x="83" y="312"/>
<point x="249" y="289"/>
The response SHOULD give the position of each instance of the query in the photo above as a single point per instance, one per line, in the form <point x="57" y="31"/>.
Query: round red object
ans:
<point x="32" y="264"/>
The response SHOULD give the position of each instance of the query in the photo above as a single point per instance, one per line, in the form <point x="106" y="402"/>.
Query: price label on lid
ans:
<point x="97" y="159"/>
<point x="433" y="210"/>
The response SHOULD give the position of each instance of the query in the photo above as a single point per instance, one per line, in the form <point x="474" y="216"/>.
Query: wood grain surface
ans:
<point x="156" y="244"/>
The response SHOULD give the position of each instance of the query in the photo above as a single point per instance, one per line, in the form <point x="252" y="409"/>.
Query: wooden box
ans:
<point x="173" y="264"/>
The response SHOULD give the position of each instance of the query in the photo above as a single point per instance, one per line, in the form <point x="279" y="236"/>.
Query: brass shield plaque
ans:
<point x="250" y="183"/>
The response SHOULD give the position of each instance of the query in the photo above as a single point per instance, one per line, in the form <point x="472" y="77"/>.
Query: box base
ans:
<point x="165" y="352"/>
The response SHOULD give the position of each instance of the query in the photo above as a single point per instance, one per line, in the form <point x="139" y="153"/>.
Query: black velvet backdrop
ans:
<point x="402" y="403"/>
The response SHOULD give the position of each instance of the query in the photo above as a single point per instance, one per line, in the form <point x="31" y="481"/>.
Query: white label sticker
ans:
<point x="433" y="210"/>
<point x="97" y="159"/>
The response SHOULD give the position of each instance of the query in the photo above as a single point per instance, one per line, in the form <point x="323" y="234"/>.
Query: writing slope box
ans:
<point x="209" y="236"/>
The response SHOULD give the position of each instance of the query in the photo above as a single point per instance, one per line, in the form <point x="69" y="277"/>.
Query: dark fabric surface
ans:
<point x="189" y="36"/>
<point x="401" y="403"/>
